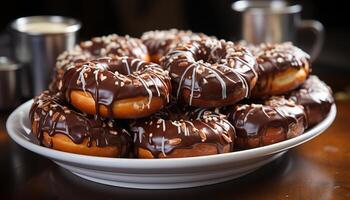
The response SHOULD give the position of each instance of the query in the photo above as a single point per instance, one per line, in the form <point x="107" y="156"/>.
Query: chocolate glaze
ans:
<point x="51" y="114"/>
<point x="111" y="46"/>
<point x="252" y="122"/>
<point x="316" y="98"/>
<point x="161" y="42"/>
<point x="109" y="80"/>
<point x="273" y="59"/>
<point x="211" y="70"/>
<point x="174" y="129"/>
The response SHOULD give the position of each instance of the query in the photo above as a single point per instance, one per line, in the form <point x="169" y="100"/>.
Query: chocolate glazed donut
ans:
<point x="61" y="128"/>
<point x="211" y="73"/>
<point x="281" y="68"/>
<point x="110" y="45"/>
<point x="159" y="43"/>
<point x="275" y="120"/>
<point x="183" y="135"/>
<point x="117" y="88"/>
<point x="316" y="98"/>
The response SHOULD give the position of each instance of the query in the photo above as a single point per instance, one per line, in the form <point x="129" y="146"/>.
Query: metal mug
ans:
<point x="275" y="22"/>
<point x="9" y="83"/>
<point x="36" y="43"/>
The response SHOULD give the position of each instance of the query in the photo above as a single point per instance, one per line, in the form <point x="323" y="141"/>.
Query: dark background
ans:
<point x="101" y="17"/>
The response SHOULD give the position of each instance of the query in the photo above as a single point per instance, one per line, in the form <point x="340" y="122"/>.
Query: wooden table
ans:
<point x="319" y="169"/>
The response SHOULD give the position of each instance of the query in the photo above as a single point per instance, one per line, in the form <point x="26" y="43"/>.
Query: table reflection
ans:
<point x="52" y="182"/>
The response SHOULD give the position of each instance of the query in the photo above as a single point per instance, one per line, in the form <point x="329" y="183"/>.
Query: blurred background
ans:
<point x="217" y="18"/>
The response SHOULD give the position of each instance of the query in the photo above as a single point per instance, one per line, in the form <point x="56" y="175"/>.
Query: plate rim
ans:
<point x="129" y="163"/>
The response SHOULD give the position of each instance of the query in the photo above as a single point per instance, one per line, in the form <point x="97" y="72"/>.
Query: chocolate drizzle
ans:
<point x="161" y="42"/>
<point x="111" y="46"/>
<point x="51" y="114"/>
<point x="109" y="80"/>
<point x="316" y="98"/>
<point x="163" y="133"/>
<point x="214" y="71"/>
<point x="258" y="125"/>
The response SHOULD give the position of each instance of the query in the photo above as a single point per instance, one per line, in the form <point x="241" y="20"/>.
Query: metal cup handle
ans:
<point x="317" y="28"/>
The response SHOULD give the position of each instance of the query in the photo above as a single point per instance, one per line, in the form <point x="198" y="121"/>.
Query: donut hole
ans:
<point x="215" y="71"/>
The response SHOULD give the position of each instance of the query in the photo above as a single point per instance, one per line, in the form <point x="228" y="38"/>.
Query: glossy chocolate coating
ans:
<point x="212" y="71"/>
<point x="110" y="45"/>
<point x="253" y="121"/>
<point x="275" y="58"/>
<point x="160" y="42"/>
<point x="109" y="80"/>
<point x="51" y="114"/>
<point x="173" y="129"/>
<point x="316" y="98"/>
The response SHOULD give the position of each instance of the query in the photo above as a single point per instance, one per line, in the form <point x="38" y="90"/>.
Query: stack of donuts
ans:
<point x="173" y="93"/>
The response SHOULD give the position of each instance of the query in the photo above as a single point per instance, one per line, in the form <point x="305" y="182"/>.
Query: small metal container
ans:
<point x="10" y="81"/>
<point x="275" y="22"/>
<point x="36" y="43"/>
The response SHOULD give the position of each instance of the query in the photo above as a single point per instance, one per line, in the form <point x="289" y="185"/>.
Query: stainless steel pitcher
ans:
<point x="36" y="43"/>
<point x="276" y="21"/>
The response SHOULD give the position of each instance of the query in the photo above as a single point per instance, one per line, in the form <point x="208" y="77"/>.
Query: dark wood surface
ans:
<point x="318" y="169"/>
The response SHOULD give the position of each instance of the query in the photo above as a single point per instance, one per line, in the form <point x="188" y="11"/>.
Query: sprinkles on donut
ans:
<point x="56" y="125"/>
<point x="160" y="42"/>
<point x="211" y="73"/>
<point x="281" y="68"/>
<point x="120" y="87"/>
<point x="107" y="98"/>
<point x="274" y="120"/>
<point x="106" y="46"/>
<point x="183" y="134"/>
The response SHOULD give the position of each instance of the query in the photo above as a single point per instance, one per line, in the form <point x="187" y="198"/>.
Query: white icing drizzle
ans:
<point x="200" y="112"/>
<point x="178" y="125"/>
<point x="193" y="127"/>
<point x="211" y="128"/>
<point x="222" y="82"/>
<point x="248" y="64"/>
<point x="164" y="126"/>
<point x="192" y="84"/>
<point x="244" y="82"/>
<point x="141" y="131"/>
<point x="145" y="85"/>
<point x="163" y="146"/>
<point x="82" y="78"/>
<point x="139" y="64"/>
<point x="161" y="76"/>
<point x="126" y="65"/>
<point x="186" y="132"/>
<point x="133" y="61"/>
<point x="184" y="54"/>
<point x="135" y="137"/>
<point x="182" y="78"/>
<point x="150" y="138"/>
<point x="155" y="85"/>
<point x="96" y="75"/>
<point x="101" y="66"/>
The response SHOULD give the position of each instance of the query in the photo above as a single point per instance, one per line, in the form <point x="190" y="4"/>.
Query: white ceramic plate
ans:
<point x="158" y="173"/>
